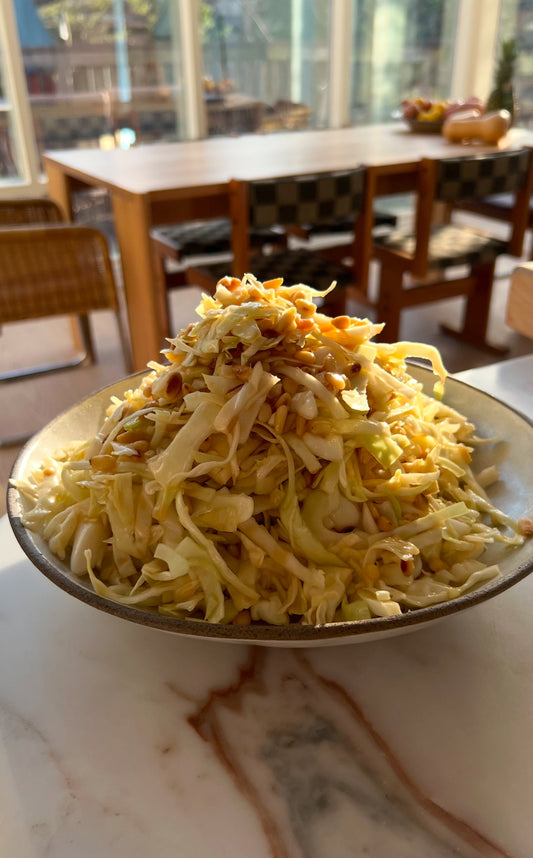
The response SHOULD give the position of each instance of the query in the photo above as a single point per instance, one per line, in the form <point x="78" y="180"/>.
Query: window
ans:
<point x="123" y="72"/>
<point x="400" y="48"/>
<point x="516" y="22"/>
<point x="8" y="166"/>
<point x="266" y="64"/>
<point x="101" y="72"/>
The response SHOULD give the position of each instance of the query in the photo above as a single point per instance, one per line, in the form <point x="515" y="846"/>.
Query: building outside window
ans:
<point x="517" y="24"/>
<point x="117" y="73"/>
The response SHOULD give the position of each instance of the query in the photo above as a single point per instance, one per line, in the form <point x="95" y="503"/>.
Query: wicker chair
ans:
<point x="54" y="270"/>
<point x="431" y="252"/>
<point x="295" y="201"/>
<point x="34" y="210"/>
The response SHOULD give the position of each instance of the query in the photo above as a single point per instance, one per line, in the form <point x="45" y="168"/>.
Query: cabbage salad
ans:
<point x="279" y="467"/>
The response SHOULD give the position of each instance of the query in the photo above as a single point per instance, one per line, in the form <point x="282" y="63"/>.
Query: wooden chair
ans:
<point x="34" y="210"/>
<point x="496" y="207"/>
<point x="183" y="243"/>
<point x="430" y="253"/>
<point x="285" y="202"/>
<point x="332" y="230"/>
<point x="54" y="270"/>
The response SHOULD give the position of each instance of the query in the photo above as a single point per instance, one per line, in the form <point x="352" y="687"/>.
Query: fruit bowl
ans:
<point x="425" y="126"/>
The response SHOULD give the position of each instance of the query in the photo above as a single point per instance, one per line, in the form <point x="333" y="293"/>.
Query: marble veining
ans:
<point x="121" y="741"/>
<point x="322" y="780"/>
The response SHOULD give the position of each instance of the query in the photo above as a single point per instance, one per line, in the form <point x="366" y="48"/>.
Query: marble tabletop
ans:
<point x="124" y="742"/>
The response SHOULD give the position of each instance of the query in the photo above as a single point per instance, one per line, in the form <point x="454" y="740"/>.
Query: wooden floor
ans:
<point x="26" y="406"/>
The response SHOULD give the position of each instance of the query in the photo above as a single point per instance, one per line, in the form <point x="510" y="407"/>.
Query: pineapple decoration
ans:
<point x="502" y="96"/>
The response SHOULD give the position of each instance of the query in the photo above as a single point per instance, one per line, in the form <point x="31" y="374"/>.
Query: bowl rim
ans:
<point x="58" y="572"/>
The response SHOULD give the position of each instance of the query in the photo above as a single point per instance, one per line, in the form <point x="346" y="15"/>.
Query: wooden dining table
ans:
<point x="163" y="183"/>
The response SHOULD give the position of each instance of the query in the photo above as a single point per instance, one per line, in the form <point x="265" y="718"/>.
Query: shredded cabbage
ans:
<point x="279" y="466"/>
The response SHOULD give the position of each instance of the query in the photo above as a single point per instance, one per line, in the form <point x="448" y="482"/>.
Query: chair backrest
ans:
<point x="472" y="177"/>
<point x="306" y="199"/>
<point x="300" y="200"/>
<point x="54" y="270"/>
<point x="478" y="176"/>
<point x="34" y="210"/>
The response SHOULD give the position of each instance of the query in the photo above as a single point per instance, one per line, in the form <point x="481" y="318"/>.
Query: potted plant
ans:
<point x="502" y="96"/>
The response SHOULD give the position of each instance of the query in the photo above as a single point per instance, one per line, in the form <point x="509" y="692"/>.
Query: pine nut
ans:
<point x="280" y="417"/>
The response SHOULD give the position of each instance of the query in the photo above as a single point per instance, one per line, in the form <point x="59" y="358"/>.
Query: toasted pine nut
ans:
<point x="335" y="380"/>
<point x="103" y="463"/>
<point x="305" y="356"/>
<point x="264" y="413"/>
<point x="319" y="427"/>
<point x="301" y="425"/>
<point x="290" y="386"/>
<point x="242" y="619"/>
<point x="141" y="446"/>
<point x="290" y="422"/>
<point x="280" y="417"/>
<point x="341" y="322"/>
<point x="284" y="399"/>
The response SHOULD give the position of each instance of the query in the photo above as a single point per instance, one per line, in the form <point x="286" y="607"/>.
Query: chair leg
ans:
<point x="87" y="338"/>
<point x="389" y="304"/>
<point x="87" y="355"/>
<point x="124" y="342"/>
<point x="476" y="318"/>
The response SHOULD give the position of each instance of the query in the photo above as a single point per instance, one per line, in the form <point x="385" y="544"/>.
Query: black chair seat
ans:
<point x="295" y="266"/>
<point x="449" y="245"/>
<point x="346" y="224"/>
<point x="198" y="238"/>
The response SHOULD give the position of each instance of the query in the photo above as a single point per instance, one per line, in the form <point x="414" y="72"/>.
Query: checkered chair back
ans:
<point x="306" y="199"/>
<point x="54" y="270"/>
<point x="480" y="175"/>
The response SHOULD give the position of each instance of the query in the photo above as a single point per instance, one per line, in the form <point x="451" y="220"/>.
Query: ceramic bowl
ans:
<point x="513" y="494"/>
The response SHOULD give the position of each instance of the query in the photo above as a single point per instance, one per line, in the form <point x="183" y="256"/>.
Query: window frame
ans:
<point x="474" y="60"/>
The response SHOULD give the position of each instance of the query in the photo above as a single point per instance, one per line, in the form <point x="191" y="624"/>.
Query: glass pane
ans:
<point x="516" y="22"/>
<point x="8" y="162"/>
<point x="266" y="64"/>
<point x="401" y="49"/>
<point x="101" y="73"/>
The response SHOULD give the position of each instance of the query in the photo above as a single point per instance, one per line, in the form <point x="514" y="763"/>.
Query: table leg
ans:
<point x="61" y="188"/>
<point x="144" y="292"/>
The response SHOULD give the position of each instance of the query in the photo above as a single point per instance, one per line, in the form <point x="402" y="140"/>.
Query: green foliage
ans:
<point x="92" y="21"/>
<point x="506" y="64"/>
<point x="502" y="95"/>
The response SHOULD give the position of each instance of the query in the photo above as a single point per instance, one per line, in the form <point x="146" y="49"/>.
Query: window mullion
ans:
<point x="341" y="19"/>
<point x="475" y="48"/>
<point x="190" y="49"/>
<point x="24" y="134"/>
